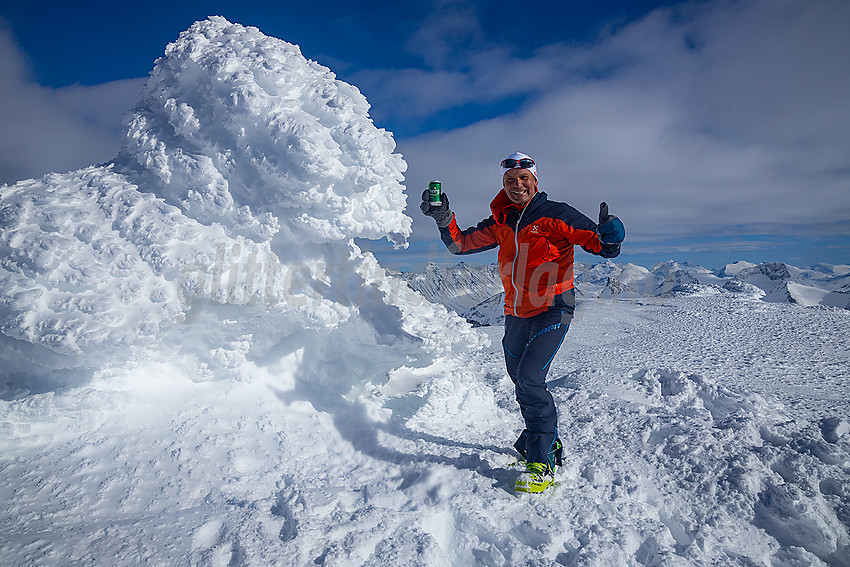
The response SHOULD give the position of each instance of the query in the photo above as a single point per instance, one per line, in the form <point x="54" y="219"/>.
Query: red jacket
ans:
<point x="535" y="248"/>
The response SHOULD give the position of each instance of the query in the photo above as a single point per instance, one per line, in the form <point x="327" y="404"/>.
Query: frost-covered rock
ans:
<point x="239" y="128"/>
<point x="221" y="237"/>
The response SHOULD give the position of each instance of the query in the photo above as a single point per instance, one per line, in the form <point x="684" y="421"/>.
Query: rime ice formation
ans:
<point x="246" y="172"/>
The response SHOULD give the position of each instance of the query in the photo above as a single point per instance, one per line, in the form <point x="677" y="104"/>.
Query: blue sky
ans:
<point x="716" y="129"/>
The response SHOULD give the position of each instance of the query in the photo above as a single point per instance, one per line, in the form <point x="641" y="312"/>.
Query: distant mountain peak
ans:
<point x="770" y="281"/>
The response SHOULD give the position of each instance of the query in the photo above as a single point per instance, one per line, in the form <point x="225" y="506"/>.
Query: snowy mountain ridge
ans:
<point x="458" y="287"/>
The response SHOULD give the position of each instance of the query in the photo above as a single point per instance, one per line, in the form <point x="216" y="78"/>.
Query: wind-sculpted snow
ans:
<point x="222" y="236"/>
<point x="238" y="128"/>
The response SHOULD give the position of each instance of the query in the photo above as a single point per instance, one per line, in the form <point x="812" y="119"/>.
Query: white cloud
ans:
<point x="61" y="129"/>
<point x="711" y="119"/>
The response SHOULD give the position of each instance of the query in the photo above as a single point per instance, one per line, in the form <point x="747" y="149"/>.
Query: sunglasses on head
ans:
<point x="511" y="163"/>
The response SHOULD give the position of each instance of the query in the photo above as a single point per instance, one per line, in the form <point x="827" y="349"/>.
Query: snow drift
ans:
<point x="224" y="227"/>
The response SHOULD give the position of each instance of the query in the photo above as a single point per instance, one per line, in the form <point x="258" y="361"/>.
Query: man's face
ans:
<point x="520" y="185"/>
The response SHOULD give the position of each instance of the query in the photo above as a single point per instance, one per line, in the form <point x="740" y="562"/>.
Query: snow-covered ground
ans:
<point x="699" y="431"/>
<point x="200" y="367"/>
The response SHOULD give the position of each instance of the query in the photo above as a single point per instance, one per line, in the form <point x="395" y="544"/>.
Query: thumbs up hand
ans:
<point x="610" y="229"/>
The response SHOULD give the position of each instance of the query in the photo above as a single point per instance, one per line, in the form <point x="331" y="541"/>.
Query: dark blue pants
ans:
<point x="530" y="344"/>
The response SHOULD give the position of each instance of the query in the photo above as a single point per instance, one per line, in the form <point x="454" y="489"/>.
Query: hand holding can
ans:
<point x="435" y="204"/>
<point x="435" y="193"/>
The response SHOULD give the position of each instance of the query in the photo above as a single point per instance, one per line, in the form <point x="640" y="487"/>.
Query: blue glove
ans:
<point x="440" y="213"/>
<point x="610" y="229"/>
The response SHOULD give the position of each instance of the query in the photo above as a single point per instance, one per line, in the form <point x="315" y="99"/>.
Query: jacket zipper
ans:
<point x="516" y="257"/>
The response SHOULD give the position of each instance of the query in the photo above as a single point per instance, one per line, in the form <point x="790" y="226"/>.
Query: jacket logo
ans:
<point x="535" y="229"/>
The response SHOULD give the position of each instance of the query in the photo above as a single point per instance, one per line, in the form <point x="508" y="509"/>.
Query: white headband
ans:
<point x="518" y="156"/>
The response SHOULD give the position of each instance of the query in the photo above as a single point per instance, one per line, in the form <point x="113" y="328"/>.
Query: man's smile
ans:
<point x="520" y="185"/>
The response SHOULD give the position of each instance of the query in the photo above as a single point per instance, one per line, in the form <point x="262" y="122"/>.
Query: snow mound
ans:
<point x="239" y="128"/>
<point x="222" y="237"/>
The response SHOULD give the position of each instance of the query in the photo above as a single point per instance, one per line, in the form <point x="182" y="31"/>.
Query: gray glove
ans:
<point x="439" y="213"/>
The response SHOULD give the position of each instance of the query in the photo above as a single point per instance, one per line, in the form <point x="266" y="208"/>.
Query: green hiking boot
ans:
<point x="536" y="478"/>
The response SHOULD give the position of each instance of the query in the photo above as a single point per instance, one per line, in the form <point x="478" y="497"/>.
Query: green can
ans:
<point x="435" y="193"/>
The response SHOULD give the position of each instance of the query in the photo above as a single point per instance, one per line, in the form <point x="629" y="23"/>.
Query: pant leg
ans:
<point x="514" y="342"/>
<point x="530" y="345"/>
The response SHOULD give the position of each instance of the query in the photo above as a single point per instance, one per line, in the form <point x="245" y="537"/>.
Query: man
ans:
<point x="535" y="237"/>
